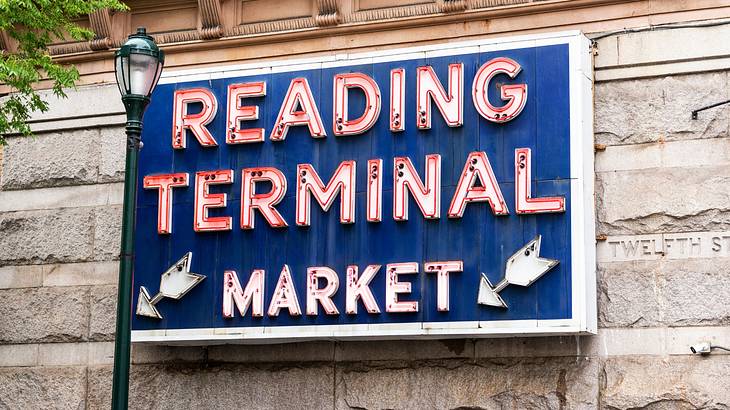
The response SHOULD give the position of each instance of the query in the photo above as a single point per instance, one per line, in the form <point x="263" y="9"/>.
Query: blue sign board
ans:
<point x="434" y="191"/>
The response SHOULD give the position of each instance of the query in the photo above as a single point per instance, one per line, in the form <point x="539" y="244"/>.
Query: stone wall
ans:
<point x="661" y="172"/>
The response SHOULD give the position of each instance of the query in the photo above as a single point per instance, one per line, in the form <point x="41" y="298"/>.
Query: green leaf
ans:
<point x="33" y="24"/>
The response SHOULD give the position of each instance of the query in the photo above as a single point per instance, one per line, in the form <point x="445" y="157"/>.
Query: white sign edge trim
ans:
<point x="388" y="331"/>
<point x="582" y="171"/>
<point x="583" y="250"/>
<point x="341" y="60"/>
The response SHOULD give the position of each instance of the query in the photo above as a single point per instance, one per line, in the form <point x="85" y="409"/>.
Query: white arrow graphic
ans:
<point x="175" y="282"/>
<point x="523" y="268"/>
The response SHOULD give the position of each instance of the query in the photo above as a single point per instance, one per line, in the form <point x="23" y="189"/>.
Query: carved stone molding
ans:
<point x="496" y="3"/>
<point x="392" y="13"/>
<point x="101" y="25"/>
<point x="273" y="26"/>
<point x="176" y="36"/>
<point x="69" y="48"/>
<point x="327" y="13"/>
<point x="210" y="18"/>
<point x="451" y="6"/>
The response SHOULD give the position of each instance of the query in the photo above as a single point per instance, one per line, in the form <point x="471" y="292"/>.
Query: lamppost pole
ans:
<point x="122" y="341"/>
<point x="138" y="65"/>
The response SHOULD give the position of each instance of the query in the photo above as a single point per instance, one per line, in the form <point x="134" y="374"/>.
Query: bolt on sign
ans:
<point x="435" y="191"/>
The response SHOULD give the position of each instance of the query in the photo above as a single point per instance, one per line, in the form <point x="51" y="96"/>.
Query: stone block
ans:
<point x="103" y="308"/>
<point x="51" y="159"/>
<point x="48" y="236"/>
<point x="696" y="293"/>
<point x="101" y="353"/>
<point x="97" y="100"/>
<point x="43" y="388"/>
<point x="654" y="53"/>
<point x="663" y="200"/>
<point x="658" y="109"/>
<point x="99" y="392"/>
<point x="404" y="350"/>
<point x="658" y="246"/>
<point x="550" y="383"/>
<point x="652" y="341"/>
<point x="690" y="292"/>
<point x="80" y="274"/>
<point x="528" y="347"/>
<point x="684" y="153"/>
<point x="73" y="354"/>
<point x="674" y="382"/>
<point x="20" y="355"/>
<point x="62" y="197"/>
<point x="679" y="339"/>
<point x="21" y="276"/>
<point x="44" y="315"/>
<point x="289" y="352"/>
<point x="629" y="294"/>
<point x="62" y="158"/>
<point x="2" y="149"/>
<point x="218" y="387"/>
<point x="617" y="341"/>
<point x="63" y="354"/>
<point x="113" y="142"/>
<point x="107" y="233"/>
<point x="156" y="354"/>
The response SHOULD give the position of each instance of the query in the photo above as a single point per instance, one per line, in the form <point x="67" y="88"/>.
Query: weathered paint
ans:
<point x="465" y="162"/>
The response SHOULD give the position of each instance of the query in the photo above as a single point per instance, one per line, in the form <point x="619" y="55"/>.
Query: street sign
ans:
<point x="434" y="191"/>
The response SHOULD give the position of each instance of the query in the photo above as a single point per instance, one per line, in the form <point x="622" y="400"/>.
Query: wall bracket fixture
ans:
<point x="695" y="112"/>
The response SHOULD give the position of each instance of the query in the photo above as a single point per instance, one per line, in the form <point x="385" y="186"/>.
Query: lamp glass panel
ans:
<point x="157" y="75"/>
<point x="142" y="69"/>
<point x="121" y="69"/>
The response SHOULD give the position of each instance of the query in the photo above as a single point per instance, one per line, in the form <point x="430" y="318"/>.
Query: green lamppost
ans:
<point x="138" y="65"/>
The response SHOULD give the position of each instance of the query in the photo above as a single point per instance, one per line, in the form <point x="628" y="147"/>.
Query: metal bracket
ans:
<point x="694" y="112"/>
<point x="134" y="141"/>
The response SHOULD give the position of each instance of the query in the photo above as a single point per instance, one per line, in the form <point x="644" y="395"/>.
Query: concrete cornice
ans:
<point x="409" y="17"/>
<point x="482" y="18"/>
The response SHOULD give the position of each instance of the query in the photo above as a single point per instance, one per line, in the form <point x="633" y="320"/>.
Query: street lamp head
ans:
<point x="138" y="65"/>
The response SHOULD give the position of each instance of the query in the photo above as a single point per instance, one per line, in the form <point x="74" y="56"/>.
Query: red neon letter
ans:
<point x="250" y="200"/>
<point x="397" y="99"/>
<point x="450" y="105"/>
<point x="252" y="295"/>
<point x="375" y="191"/>
<point x="427" y="197"/>
<point x="393" y="287"/>
<point x="238" y="113"/>
<point x="315" y="294"/>
<point x="359" y="288"/>
<point x="343" y="82"/>
<point x="442" y="269"/>
<point x="204" y="200"/>
<point x="477" y="166"/>
<point x="514" y="94"/>
<point x="524" y="202"/>
<point x="164" y="183"/>
<point x="285" y="296"/>
<point x="196" y="123"/>
<point x="342" y="181"/>
<point x="298" y="96"/>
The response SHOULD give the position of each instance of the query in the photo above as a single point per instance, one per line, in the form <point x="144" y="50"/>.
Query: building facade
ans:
<point x="662" y="195"/>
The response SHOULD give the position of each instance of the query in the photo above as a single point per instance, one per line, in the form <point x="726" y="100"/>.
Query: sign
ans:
<point x="435" y="191"/>
<point x="677" y="245"/>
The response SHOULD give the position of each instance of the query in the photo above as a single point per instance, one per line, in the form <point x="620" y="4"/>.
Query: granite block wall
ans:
<point x="660" y="173"/>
